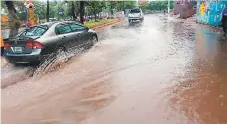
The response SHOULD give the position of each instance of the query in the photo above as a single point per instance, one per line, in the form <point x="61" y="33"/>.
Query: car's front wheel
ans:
<point x="141" y="19"/>
<point x="94" y="40"/>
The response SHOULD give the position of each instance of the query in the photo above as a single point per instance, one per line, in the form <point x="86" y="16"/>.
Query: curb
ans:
<point x="106" y="24"/>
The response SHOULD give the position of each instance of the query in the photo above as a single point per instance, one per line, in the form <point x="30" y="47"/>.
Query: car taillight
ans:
<point x="29" y="44"/>
<point x="37" y="45"/>
<point x="6" y="46"/>
<point x="34" y="45"/>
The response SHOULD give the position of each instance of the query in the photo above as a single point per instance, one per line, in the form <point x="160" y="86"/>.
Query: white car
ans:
<point x="135" y="14"/>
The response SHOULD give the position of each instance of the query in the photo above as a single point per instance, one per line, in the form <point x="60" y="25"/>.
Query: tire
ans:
<point x="58" y="51"/>
<point x="93" y="41"/>
<point x="141" y="19"/>
<point x="61" y="50"/>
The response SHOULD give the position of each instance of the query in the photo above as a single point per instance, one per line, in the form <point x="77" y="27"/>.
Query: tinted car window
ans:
<point x="33" y="31"/>
<point x="62" y="29"/>
<point x="76" y="27"/>
<point x="135" y="11"/>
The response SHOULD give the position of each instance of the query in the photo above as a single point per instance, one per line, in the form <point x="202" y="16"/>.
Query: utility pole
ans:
<point x="168" y="6"/>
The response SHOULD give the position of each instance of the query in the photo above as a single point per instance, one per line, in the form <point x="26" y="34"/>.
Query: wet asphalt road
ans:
<point x="159" y="71"/>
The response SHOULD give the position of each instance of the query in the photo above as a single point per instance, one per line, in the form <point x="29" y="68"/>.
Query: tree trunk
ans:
<point x="14" y="22"/>
<point x="82" y="12"/>
<point x="47" y="14"/>
<point x="95" y="14"/>
<point x="73" y="11"/>
<point x="111" y="8"/>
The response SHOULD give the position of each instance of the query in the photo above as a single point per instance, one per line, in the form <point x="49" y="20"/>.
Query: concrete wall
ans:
<point x="209" y="11"/>
<point x="184" y="8"/>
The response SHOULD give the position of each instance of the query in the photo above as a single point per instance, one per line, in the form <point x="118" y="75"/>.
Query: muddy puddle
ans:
<point x="52" y="63"/>
<point x="165" y="72"/>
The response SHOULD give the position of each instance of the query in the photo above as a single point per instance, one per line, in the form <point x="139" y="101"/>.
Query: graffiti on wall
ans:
<point x="209" y="11"/>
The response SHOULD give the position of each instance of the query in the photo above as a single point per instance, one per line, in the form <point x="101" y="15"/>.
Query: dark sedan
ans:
<point x="33" y="44"/>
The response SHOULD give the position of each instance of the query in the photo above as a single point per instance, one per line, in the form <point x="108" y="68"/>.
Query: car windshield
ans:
<point x="34" y="31"/>
<point x="135" y="11"/>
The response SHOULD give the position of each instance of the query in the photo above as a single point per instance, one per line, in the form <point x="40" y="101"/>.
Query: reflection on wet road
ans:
<point x="159" y="71"/>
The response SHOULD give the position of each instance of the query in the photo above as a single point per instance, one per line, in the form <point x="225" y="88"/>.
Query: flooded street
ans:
<point x="159" y="71"/>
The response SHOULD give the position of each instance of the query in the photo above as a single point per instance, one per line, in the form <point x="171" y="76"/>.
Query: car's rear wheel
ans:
<point x="60" y="50"/>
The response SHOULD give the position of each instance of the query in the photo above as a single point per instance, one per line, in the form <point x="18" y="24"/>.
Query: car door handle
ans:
<point x="63" y="37"/>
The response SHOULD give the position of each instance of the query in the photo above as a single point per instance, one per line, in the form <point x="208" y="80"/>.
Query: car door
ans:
<point x="66" y="34"/>
<point x="82" y="33"/>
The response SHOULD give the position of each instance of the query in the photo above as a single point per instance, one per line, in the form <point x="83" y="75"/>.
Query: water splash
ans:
<point x="57" y="60"/>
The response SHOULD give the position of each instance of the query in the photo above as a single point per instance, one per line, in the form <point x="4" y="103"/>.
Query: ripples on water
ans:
<point x="199" y="94"/>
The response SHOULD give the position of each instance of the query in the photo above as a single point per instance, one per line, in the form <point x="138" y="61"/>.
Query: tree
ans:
<point x="121" y="5"/>
<point x="158" y="5"/>
<point x="47" y="11"/>
<point x="82" y="12"/>
<point x="39" y="11"/>
<point x="21" y="9"/>
<point x="13" y="20"/>
<point x="71" y="9"/>
<point x="96" y="7"/>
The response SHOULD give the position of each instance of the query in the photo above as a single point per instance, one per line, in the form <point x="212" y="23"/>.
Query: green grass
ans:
<point x="93" y="23"/>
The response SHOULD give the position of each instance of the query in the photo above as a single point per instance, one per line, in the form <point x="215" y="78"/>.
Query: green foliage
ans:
<point x="93" y="23"/>
<point x="95" y="6"/>
<point x="92" y="7"/>
<point x="20" y="9"/>
<point x="158" y="5"/>
<point x="40" y="9"/>
<point x="121" y="5"/>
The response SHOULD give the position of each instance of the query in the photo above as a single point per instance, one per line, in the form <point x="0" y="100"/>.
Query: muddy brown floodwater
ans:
<point x="159" y="71"/>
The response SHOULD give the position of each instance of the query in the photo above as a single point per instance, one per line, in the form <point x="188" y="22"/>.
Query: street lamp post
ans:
<point x="168" y="6"/>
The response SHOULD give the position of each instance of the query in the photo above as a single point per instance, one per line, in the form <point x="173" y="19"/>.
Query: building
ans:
<point x="186" y="8"/>
<point x="209" y="11"/>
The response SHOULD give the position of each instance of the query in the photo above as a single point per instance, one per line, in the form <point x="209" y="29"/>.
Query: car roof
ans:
<point x="49" y="24"/>
<point x="72" y="22"/>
